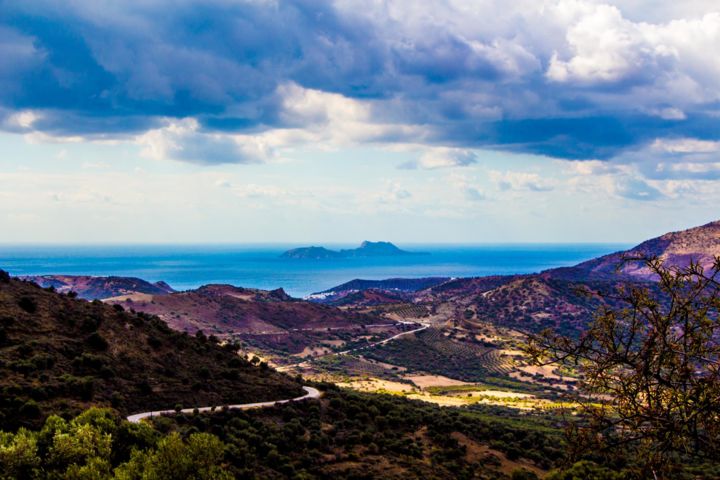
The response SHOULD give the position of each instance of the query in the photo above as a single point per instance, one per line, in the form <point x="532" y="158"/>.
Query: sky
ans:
<point x="448" y="121"/>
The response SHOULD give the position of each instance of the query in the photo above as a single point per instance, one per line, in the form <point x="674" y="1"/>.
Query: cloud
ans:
<point x="520" y="181"/>
<point x="636" y="189"/>
<point x="440" y="157"/>
<point x="675" y="159"/>
<point x="473" y="194"/>
<point x="184" y="141"/>
<point x="571" y="79"/>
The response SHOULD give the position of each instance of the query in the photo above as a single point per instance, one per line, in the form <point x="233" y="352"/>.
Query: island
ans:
<point x="366" y="249"/>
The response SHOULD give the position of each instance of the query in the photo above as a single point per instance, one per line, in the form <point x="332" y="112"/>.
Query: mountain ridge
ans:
<point x="700" y="244"/>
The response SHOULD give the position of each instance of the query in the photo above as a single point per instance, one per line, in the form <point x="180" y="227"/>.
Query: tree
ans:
<point x="650" y="372"/>
<point x="199" y="458"/>
<point x="18" y="455"/>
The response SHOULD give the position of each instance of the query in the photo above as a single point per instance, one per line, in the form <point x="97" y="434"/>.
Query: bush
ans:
<point x="30" y="409"/>
<point x="28" y="304"/>
<point x="96" y="341"/>
<point x="154" y="342"/>
<point x="522" y="474"/>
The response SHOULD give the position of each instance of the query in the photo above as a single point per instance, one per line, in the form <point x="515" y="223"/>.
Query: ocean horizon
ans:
<point x="260" y="265"/>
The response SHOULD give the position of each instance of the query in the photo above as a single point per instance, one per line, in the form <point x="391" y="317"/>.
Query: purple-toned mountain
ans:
<point x="675" y="249"/>
<point x="92" y="288"/>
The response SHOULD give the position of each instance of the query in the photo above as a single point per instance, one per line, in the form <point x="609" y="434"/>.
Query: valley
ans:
<point x="390" y="372"/>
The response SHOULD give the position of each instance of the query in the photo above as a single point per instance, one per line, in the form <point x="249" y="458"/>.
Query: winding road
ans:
<point x="310" y="392"/>
<point x="383" y="342"/>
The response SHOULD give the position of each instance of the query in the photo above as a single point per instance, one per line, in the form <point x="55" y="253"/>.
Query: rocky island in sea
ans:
<point x="366" y="249"/>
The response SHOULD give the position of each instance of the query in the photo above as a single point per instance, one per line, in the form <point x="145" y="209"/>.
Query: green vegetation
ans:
<point x="98" y="445"/>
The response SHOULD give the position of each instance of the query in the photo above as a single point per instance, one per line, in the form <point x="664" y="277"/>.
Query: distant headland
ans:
<point x="366" y="249"/>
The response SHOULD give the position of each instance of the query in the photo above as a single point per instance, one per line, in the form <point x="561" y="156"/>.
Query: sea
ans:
<point x="261" y="266"/>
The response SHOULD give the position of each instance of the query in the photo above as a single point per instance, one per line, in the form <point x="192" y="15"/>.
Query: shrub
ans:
<point x="28" y="304"/>
<point x="30" y="409"/>
<point x="522" y="474"/>
<point x="154" y="342"/>
<point x="96" y="341"/>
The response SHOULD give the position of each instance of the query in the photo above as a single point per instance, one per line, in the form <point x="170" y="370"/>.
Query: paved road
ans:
<point x="383" y="342"/>
<point x="310" y="392"/>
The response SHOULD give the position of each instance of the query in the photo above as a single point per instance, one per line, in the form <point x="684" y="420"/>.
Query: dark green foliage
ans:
<point x="586" y="470"/>
<point x="522" y="474"/>
<point x="96" y="341"/>
<point x="30" y="409"/>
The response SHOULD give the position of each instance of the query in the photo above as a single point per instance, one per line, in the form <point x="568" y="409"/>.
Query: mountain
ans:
<point x="366" y="249"/>
<point x="60" y="354"/>
<point x="91" y="288"/>
<point x="676" y="249"/>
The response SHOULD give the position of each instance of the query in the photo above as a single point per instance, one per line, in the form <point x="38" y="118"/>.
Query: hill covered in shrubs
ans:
<point x="60" y="354"/>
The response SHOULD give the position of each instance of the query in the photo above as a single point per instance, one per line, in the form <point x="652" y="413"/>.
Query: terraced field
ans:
<point x="345" y="367"/>
<point x="409" y="311"/>
<point x="432" y="351"/>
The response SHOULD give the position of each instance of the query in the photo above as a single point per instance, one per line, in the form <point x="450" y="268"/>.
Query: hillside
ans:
<point x="91" y="288"/>
<point x="534" y="303"/>
<point x="270" y="321"/>
<point x="59" y="354"/>
<point x="225" y="309"/>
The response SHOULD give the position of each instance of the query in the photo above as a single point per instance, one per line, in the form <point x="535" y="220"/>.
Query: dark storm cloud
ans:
<point x="518" y="84"/>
